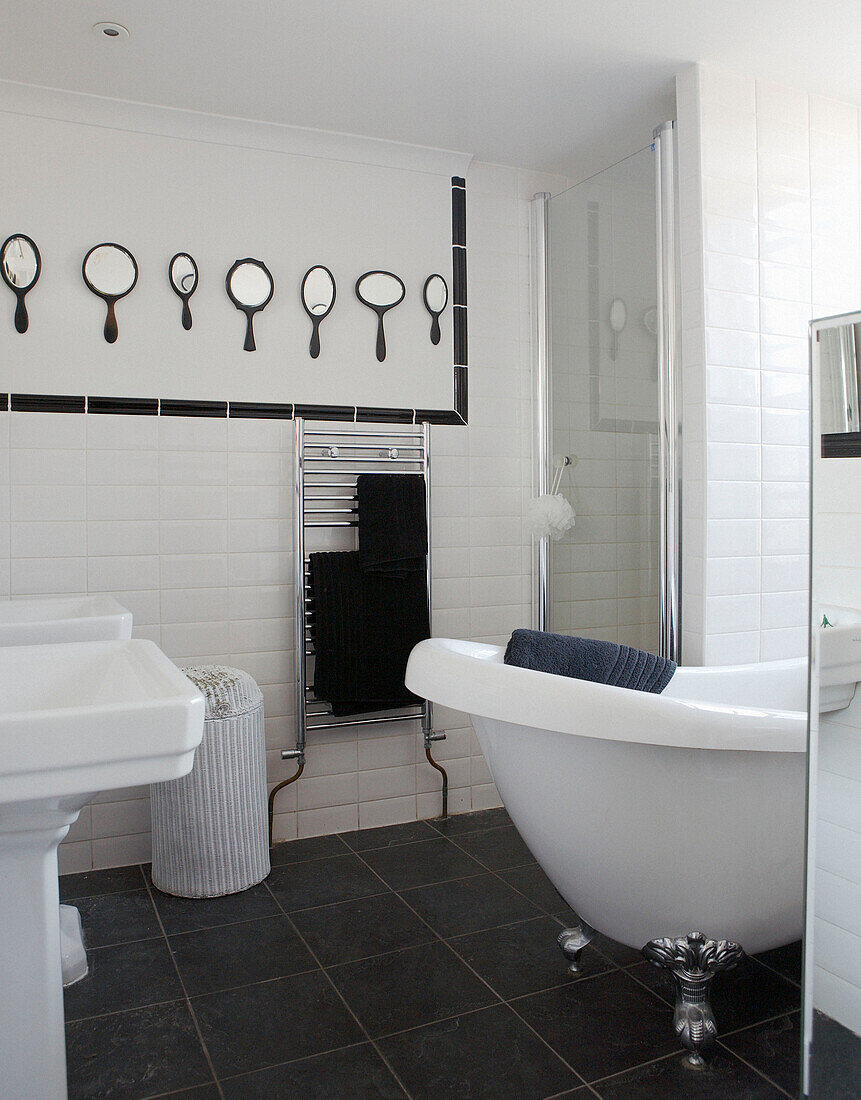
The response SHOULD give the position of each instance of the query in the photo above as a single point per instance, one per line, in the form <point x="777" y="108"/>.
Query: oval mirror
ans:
<point x="110" y="271"/>
<point x="436" y="299"/>
<point x="318" y="297"/>
<point x="380" y="291"/>
<point x="250" y="287"/>
<point x="182" y="273"/>
<point x="21" y="265"/>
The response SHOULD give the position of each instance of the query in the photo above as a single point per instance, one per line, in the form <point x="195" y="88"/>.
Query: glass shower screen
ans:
<point x="604" y="404"/>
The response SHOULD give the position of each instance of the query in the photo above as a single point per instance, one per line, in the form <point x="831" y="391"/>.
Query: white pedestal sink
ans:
<point x="74" y="719"/>
<point x="43" y="621"/>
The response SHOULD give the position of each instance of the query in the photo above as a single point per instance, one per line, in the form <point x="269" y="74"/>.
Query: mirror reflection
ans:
<point x="110" y="271"/>
<point x="840" y="359"/>
<point x="380" y="291"/>
<point x="250" y="287"/>
<point x="435" y="295"/>
<point x="183" y="278"/>
<point x="318" y="297"/>
<point x="21" y="266"/>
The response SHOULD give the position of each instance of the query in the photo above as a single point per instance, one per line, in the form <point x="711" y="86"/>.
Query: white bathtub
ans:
<point x="653" y="815"/>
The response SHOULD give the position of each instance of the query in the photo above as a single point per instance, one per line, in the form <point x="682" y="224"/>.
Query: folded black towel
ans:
<point x="363" y="628"/>
<point x="587" y="659"/>
<point x="393" y="530"/>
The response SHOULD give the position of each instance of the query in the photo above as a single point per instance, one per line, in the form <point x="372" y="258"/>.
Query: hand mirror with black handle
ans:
<point x="182" y="273"/>
<point x="435" y="294"/>
<point x="380" y="291"/>
<point x="318" y="297"/>
<point x="110" y="271"/>
<point x="21" y="265"/>
<point x="250" y="287"/>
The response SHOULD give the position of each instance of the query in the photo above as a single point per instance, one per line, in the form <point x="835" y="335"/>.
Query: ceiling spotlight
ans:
<point x="110" y="30"/>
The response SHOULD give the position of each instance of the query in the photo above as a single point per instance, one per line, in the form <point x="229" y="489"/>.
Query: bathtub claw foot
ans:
<point x="572" y="941"/>
<point x="693" y="962"/>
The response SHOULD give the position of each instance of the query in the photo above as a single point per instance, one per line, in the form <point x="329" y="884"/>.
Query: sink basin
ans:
<point x="85" y="716"/>
<point x="43" y="621"/>
<point x="64" y="619"/>
<point x="74" y="718"/>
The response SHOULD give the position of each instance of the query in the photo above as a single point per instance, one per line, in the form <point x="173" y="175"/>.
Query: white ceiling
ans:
<point x="561" y="85"/>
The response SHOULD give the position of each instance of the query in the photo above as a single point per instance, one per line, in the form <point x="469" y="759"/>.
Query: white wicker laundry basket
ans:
<point x="210" y="828"/>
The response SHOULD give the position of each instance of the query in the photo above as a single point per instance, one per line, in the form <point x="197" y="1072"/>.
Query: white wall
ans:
<point x="770" y="237"/>
<point x="188" y="522"/>
<point x="221" y="200"/>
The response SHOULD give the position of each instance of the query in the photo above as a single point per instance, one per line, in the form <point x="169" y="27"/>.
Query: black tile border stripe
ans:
<point x="264" y="410"/>
<point x="841" y="445"/>
<point x="127" y="406"/>
<point x="47" y="402"/>
<point x="192" y="408"/>
<point x="260" y="410"/>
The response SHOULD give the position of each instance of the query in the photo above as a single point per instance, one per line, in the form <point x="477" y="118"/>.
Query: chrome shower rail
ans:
<point x="327" y="463"/>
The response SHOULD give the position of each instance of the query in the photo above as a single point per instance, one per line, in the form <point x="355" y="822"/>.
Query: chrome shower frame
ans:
<point x="669" y="413"/>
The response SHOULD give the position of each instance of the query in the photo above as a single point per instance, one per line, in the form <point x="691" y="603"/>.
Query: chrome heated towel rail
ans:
<point x="327" y="462"/>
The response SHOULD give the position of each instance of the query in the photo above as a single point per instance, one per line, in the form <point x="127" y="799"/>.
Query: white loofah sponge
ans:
<point x="549" y="516"/>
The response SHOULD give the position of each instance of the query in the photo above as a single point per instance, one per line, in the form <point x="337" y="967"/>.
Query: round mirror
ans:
<point x="110" y="271"/>
<point x="435" y="294"/>
<point x="318" y="297"/>
<point x="380" y="291"/>
<point x="21" y="266"/>
<point x="182" y="273"/>
<point x="250" y="287"/>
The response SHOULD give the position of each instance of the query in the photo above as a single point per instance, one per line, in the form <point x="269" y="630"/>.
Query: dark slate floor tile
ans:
<point x="239" y="954"/>
<point x="835" y="1060"/>
<point x="523" y="958"/>
<point x="498" y="849"/>
<point x="312" y="847"/>
<point x="486" y="1055"/>
<point x="323" y="882"/>
<point x="190" y="914"/>
<point x="129" y="1055"/>
<point x="109" y="881"/>
<point x="616" y="952"/>
<point x="532" y="881"/>
<point x="774" y="1048"/>
<point x="357" y="1073"/>
<point x="364" y="840"/>
<point x="785" y="960"/>
<point x="602" y="1025"/>
<point x="356" y="929"/>
<point x="418" y="864"/>
<point x="273" y="1022"/>
<point x="200" y="1092"/>
<point x="459" y="824"/>
<point x="725" y="1078"/>
<point x="469" y="904"/>
<point x="411" y="987"/>
<point x="127" y="975"/>
<point x="117" y="918"/>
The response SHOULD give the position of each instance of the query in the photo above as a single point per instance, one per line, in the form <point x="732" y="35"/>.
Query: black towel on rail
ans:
<point x="393" y="530"/>
<point x="589" y="659"/>
<point x="363" y="628"/>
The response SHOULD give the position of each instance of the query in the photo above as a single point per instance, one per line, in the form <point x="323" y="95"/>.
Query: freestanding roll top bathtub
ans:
<point x="652" y="814"/>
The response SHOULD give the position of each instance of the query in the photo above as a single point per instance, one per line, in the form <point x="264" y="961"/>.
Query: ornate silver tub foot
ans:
<point x="693" y="962"/>
<point x="572" y="941"/>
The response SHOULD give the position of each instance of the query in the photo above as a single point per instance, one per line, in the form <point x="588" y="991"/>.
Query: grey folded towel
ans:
<point x="588" y="659"/>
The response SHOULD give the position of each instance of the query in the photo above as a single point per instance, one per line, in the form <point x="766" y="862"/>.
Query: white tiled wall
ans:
<point x="188" y="523"/>
<point x="770" y="236"/>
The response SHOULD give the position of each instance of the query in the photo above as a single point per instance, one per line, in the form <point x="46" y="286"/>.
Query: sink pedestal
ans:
<point x="32" y="1032"/>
